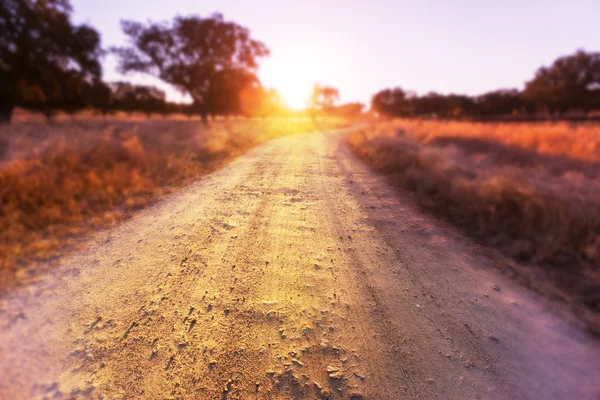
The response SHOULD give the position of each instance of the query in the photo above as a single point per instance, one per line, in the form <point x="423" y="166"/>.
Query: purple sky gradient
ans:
<point x="461" y="46"/>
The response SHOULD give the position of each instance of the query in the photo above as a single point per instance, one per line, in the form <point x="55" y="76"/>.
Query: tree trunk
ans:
<point x="6" y="110"/>
<point x="199" y="107"/>
<point x="48" y="113"/>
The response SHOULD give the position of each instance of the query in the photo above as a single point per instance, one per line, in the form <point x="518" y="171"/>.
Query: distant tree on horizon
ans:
<point x="323" y="97"/>
<point x="571" y="82"/>
<point x="128" y="97"/>
<point x="500" y="102"/>
<point x="209" y="59"/>
<point x="100" y="97"/>
<point x="392" y="102"/>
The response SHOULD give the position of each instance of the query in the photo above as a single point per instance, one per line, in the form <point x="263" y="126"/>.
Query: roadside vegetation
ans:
<point x="62" y="179"/>
<point x="529" y="189"/>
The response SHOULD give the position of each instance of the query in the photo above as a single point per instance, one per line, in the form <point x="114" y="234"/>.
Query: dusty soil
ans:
<point x="294" y="272"/>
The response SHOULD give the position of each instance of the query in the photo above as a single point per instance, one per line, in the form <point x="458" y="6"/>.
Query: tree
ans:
<point x="228" y="87"/>
<point x="458" y="106"/>
<point x="44" y="58"/>
<point x="129" y="98"/>
<point x="67" y="91"/>
<point x="149" y="99"/>
<point x="199" y="56"/>
<point x="99" y="96"/>
<point x="323" y="97"/>
<point x="395" y="102"/>
<point x="500" y="102"/>
<point x="571" y="82"/>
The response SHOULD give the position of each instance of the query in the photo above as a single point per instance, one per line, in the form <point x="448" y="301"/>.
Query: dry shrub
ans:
<point x="61" y="179"/>
<point x="532" y="190"/>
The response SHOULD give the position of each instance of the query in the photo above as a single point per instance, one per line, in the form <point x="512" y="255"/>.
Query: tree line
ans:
<point x="323" y="99"/>
<point x="50" y="64"/>
<point x="570" y="84"/>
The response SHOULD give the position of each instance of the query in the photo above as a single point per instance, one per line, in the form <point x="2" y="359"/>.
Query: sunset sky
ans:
<point x="462" y="46"/>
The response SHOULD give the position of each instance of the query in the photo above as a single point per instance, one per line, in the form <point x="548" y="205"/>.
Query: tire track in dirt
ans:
<point x="196" y="317"/>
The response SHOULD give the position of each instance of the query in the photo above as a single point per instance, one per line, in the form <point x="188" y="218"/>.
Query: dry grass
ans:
<point x="62" y="179"/>
<point x="532" y="190"/>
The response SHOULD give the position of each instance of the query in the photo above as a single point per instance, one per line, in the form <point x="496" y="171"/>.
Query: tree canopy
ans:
<point x="45" y="60"/>
<point x="500" y="102"/>
<point x="208" y="58"/>
<point x="392" y="102"/>
<point x="129" y="98"/>
<point x="571" y="82"/>
<point x="323" y="97"/>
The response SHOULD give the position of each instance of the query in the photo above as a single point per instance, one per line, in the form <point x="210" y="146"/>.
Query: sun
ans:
<point x="293" y="77"/>
<point x="294" y="92"/>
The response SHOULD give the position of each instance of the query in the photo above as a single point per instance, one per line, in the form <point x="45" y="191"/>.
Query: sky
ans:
<point x="361" y="47"/>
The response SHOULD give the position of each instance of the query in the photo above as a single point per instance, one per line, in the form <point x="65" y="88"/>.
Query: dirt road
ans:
<point x="293" y="272"/>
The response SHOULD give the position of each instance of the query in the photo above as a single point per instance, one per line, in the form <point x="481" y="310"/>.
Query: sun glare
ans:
<point x="295" y="92"/>
<point x="293" y="77"/>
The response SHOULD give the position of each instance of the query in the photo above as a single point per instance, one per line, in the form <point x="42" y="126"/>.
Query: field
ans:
<point x="530" y="189"/>
<point x="62" y="179"/>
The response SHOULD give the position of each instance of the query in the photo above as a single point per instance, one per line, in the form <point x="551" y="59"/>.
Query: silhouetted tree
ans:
<point x="323" y="97"/>
<point x="500" y="102"/>
<point x="172" y="108"/>
<point x="100" y="97"/>
<point x="44" y="58"/>
<point x="149" y="99"/>
<point x="432" y="105"/>
<point x="394" y="102"/>
<point x="196" y="55"/>
<point x="225" y="94"/>
<point x="458" y="106"/>
<point x="397" y="102"/>
<point x="67" y="92"/>
<point x="130" y="98"/>
<point x="571" y="82"/>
